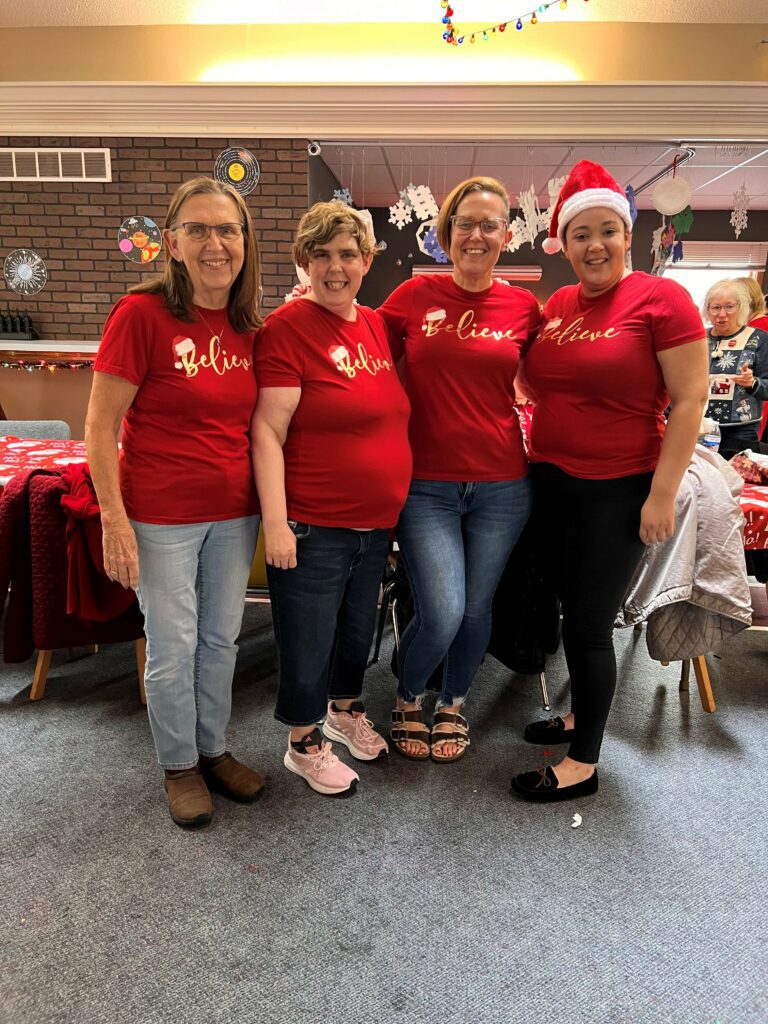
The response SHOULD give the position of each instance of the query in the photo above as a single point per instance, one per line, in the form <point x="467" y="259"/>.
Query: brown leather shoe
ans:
<point x="235" y="780"/>
<point x="188" y="798"/>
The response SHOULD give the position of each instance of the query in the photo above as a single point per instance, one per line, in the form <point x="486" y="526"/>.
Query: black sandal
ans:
<point x="456" y="731"/>
<point x="409" y="726"/>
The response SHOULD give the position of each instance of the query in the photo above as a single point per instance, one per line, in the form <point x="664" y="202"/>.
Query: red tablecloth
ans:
<point x="17" y="456"/>
<point x="754" y="505"/>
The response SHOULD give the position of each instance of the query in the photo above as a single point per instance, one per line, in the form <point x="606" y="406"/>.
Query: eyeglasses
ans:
<point x="202" y="232"/>
<point x="730" y="308"/>
<point x="489" y="226"/>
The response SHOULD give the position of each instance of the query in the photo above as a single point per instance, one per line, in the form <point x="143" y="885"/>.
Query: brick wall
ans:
<point x="73" y="225"/>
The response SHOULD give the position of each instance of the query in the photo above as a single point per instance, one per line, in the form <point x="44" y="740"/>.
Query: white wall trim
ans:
<point x="588" y="112"/>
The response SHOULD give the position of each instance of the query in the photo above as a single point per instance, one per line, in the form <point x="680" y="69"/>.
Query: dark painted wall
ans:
<point x="385" y="274"/>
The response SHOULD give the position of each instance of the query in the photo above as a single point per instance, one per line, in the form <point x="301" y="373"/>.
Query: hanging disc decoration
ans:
<point x="139" y="239"/>
<point x="25" y="271"/>
<point x="238" y="168"/>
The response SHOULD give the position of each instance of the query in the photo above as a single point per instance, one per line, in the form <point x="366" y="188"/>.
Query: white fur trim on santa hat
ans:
<point x="588" y="199"/>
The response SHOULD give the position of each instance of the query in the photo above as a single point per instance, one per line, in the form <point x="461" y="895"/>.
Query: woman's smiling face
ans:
<point x="596" y="244"/>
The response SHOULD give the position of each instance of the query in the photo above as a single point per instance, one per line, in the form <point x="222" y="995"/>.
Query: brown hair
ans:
<point x="755" y="293"/>
<point x="454" y="197"/>
<point x="174" y="283"/>
<point x="323" y="222"/>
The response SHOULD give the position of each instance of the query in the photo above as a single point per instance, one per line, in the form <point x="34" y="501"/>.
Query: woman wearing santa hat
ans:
<point x="460" y="337"/>
<point x="332" y="463"/>
<point x="613" y="352"/>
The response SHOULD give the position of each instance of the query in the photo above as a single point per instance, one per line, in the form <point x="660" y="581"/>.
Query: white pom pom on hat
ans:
<point x="587" y="186"/>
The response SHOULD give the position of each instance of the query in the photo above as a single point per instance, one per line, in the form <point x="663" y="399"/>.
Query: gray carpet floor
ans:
<point x="432" y="895"/>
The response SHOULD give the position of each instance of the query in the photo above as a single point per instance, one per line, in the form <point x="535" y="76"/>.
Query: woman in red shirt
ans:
<point x="459" y="336"/>
<point x="612" y="353"/>
<point x="332" y="463"/>
<point x="178" y="506"/>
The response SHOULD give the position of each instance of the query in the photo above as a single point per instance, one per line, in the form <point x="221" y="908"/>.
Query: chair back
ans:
<point x="48" y="430"/>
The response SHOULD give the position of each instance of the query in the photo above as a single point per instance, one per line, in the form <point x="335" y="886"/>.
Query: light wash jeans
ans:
<point x="456" y="539"/>
<point x="192" y="581"/>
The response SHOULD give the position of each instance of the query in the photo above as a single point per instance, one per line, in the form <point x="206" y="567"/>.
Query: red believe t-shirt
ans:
<point x="461" y="355"/>
<point x="186" y="438"/>
<point x="347" y="459"/>
<point x="593" y="371"/>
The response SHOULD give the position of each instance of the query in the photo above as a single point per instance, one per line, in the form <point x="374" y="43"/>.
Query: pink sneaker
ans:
<point x="355" y="731"/>
<point x="321" y="770"/>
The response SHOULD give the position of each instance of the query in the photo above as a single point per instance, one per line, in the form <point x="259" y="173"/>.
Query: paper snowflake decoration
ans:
<point x="343" y="195"/>
<point x="739" y="215"/>
<point x="426" y="238"/>
<point x="400" y="215"/>
<point x="422" y="201"/>
<point x="405" y="194"/>
<point x="517" y="227"/>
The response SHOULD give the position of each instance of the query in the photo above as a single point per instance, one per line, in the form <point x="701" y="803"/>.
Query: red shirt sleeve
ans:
<point x="126" y="343"/>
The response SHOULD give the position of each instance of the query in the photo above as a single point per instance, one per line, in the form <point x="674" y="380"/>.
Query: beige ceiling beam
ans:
<point x="597" y="112"/>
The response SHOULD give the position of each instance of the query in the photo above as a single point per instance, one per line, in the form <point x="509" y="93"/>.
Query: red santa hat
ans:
<point x="588" y="185"/>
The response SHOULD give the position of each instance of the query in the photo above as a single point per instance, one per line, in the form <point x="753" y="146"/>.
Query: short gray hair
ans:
<point x="735" y="290"/>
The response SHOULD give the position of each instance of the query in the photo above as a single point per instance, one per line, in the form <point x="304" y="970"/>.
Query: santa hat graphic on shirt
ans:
<point x="338" y="354"/>
<point x="588" y="185"/>
<point x="182" y="347"/>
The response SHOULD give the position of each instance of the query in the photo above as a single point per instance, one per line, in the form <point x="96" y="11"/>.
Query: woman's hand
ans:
<point x="280" y="546"/>
<point x="657" y="519"/>
<point x="121" y="555"/>
<point x="746" y="378"/>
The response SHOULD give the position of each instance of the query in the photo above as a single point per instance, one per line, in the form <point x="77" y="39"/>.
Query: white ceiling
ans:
<point x="375" y="174"/>
<point x="26" y="13"/>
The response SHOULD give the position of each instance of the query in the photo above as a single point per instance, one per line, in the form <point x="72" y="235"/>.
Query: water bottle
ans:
<point x="709" y="434"/>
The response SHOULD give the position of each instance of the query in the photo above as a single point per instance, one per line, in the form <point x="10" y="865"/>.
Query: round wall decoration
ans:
<point x="238" y="168"/>
<point x="139" y="239"/>
<point x="25" y="271"/>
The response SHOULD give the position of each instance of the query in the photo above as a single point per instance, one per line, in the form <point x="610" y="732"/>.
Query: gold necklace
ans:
<point x="215" y="335"/>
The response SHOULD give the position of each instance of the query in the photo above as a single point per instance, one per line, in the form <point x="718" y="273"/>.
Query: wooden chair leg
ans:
<point x="685" y="670"/>
<point x="42" y="665"/>
<point x="705" y="687"/>
<point x="141" y="661"/>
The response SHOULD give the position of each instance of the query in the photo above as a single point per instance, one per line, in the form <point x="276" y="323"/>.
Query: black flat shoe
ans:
<point x="542" y="786"/>
<point x="548" y="730"/>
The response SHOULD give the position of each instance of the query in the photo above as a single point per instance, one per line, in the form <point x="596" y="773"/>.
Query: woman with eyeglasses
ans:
<point x="178" y="503"/>
<point x="459" y="336"/>
<point x="738" y="367"/>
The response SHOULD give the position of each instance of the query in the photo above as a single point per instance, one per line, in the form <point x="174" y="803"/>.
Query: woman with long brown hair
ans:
<point x="178" y="503"/>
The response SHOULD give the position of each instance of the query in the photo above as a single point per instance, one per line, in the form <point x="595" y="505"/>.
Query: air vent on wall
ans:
<point x="55" y="165"/>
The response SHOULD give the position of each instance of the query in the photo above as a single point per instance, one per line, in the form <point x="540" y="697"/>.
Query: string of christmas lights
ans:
<point x="453" y="37"/>
<point x="51" y="365"/>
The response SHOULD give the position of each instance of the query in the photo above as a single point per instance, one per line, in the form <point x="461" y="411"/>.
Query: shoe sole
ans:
<point x="554" y="737"/>
<point x="333" y="734"/>
<point x="317" y="786"/>
<point x="201" y="819"/>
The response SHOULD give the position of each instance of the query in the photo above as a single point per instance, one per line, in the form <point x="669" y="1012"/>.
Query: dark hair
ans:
<point x="174" y="283"/>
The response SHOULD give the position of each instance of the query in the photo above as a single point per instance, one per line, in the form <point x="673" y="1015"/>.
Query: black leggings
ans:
<point x="589" y="537"/>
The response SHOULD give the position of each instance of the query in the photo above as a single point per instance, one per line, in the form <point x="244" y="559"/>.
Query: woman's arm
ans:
<point x="686" y="377"/>
<point x="756" y="378"/>
<point x="111" y="397"/>
<point x="274" y="410"/>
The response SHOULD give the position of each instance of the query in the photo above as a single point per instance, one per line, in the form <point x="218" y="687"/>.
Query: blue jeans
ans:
<point x="192" y="581"/>
<point x="456" y="539"/>
<point x="324" y="613"/>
